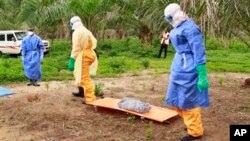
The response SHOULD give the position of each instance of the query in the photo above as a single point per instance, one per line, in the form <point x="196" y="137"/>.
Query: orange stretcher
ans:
<point x="156" y="113"/>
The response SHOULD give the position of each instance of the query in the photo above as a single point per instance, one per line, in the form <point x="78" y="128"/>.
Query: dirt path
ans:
<point x="51" y="113"/>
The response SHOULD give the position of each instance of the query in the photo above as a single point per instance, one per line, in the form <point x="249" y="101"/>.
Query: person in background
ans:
<point x="164" y="44"/>
<point x="83" y="60"/>
<point x="188" y="84"/>
<point x="32" y="57"/>
<point x="13" y="39"/>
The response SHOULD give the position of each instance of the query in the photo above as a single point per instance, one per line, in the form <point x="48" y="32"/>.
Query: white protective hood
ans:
<point x="75" y="22"/>
<point x="178" y="16"/>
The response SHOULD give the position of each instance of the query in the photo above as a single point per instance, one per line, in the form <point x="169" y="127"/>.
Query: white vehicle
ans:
<point x="11" y="41"/>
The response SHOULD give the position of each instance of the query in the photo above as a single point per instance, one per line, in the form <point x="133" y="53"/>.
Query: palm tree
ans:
<point x="47" y="16"/>
<point x="153" y="11"/>
<point x="8" y="10"/>
<point x="217" y="18"/>
<point x="221" y="18"/>
<point x="92" y="12"/>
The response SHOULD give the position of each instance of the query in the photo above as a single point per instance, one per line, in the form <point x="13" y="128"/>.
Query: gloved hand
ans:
<point x="202" y="77"/>
<point x="71" y="64"/>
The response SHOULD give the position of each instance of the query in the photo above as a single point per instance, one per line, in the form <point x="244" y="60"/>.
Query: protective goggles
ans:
<point x="168" y="18"/>
<point x="71" y="24"/>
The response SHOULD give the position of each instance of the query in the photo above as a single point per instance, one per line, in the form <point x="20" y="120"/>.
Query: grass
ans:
<point x="246" y="107"/>
<point x="98" y="90"/>
<point x="228" y="61"/>
<point x="128" y="55"/>
<point x="149" y="132"/>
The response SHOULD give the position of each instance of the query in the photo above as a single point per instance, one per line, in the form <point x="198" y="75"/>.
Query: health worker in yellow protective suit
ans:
<point x="83" y="60"/>
<point x="188" y="84"/>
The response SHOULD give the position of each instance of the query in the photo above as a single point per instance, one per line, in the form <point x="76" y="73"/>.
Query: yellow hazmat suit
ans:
<point x="83" y="45"/>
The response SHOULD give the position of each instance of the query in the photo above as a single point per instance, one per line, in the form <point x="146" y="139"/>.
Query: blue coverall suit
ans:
<point x="182" y="91"/>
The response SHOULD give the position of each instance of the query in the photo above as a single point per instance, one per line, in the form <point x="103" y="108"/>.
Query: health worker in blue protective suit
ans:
<point x="32" y="56"/>
<point x="188" y="84"/>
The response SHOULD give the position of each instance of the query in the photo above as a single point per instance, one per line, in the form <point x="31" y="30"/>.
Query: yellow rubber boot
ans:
<point x="192" y="120"/>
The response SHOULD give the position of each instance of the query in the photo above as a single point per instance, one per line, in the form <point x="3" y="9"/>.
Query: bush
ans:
<point x="112" y="53"/>
<point x="156" y="42"/>
<point x="117" y="65"/>
<point x="145" y="63"/>
<point x="130" y="47"/>
<point x="212" y="44"/>
<point x="98" y="90"/>
<point x="104" y="46"/>
<point x="238" y="46"/>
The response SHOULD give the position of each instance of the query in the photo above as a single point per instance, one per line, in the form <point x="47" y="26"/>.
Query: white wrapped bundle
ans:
<point x="134" y="105"/>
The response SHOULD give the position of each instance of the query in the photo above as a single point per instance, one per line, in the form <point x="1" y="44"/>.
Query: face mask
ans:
<point x="30" y="33"/>
<point x="169" y="19"/>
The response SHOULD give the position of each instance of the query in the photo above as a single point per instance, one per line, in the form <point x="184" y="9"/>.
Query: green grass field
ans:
<point x="129" y="55"/>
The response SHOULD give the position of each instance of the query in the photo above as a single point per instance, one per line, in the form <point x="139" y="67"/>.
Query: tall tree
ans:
<point x="8" y="10"/>
<point x="91" y="12"/>
<point x="218" y="18"/>
<point x="47" y="15"/>
<point x="221" y="18"/>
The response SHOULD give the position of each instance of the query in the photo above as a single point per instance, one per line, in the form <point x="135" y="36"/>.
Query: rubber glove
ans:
<point x="71" y="64"/>
<point x="202" y="77"/>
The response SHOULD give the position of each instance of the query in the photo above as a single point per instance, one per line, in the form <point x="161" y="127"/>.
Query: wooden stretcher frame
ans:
<point x="156" y="113"/>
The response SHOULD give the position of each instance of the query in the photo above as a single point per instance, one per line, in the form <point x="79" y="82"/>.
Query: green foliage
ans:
<point x="221" y="81"/>
<point x="234" y="45"/>
<point x="85" y="8"/>
<point x="117" y="65"/>
<point x="246" y="107"/>
<point x="163" y="98"/>
<point x="28" y="10"/>
<point x="104" y="46"/>
<point x="228" y="61"/>
<point x="131" y="119"/>
<point x="149" y="133"/>
<point x="48" y="17"/>
<point x="238" y="46"/>
<point x="126" y="47"/>
<point x="212" y="44"/>
<point x="98" y="90"/>
<point x="11" y="69"/>
<point x="156" y="42"/>
<point x="145" y="63"/>
<point x="112" y="53"/>
<point x="6" y="64"/>
<point x="128" y="56"/>
<point x="112" y="66"/>
<point x="225" y="19"/>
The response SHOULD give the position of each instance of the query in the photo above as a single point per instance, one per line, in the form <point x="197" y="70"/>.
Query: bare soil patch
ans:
<point x="51" y="113"/>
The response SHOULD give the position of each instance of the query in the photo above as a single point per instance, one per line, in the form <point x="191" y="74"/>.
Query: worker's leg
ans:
<point x="160" y="51"/>
<point x="192" y="119"/>
<point x="179" y="111"/>
<point x="86" y="81"/>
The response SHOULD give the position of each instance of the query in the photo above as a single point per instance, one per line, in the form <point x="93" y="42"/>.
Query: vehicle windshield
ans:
<point x="20" y="35"/>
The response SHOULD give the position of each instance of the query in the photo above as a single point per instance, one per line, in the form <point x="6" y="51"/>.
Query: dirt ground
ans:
<point x="51" y="113"/>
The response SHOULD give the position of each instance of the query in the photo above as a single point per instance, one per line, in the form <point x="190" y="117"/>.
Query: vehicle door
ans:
<point x="3" y="46"/>
<point x="12" y="43"/>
